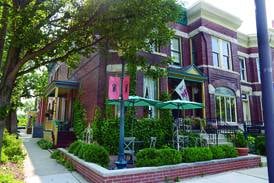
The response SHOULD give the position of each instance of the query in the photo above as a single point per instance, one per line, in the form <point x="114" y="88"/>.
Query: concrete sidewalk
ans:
<point x="254" y="175"/>
<point x="40" y="168"/>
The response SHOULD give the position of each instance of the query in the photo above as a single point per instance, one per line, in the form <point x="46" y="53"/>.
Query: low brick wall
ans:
<point x="98" y="174"/>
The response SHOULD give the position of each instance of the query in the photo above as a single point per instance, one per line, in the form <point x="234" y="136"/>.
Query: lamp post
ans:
<point x="266" y="83"/>
<point x="121" y="162"/>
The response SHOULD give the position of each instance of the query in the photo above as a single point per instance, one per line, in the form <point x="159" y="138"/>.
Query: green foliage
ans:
<point x="194" y="154"/>
<point x="55" y="154"/>
<point x="82" y="150"/>
<point x="192" y="139"/>
<point x="217" y="152"/>
<point x="12" y="149"/>
<point x="45" y="144"/>
<point x="157" y="157"/>
<point x="79" y="119"/>
<point x="22" y="120"/>
<point x="230" y="151"/>
<point x="74" y="146"/>
<point x="4" y="157"/>
<point x="251" y="144"/>
<point x="97" y="126"/>
<point x="8" y="178"/>
<point x="240" y="140"/>
<point x="96" y="154"/>
<point x="260" y="145"/>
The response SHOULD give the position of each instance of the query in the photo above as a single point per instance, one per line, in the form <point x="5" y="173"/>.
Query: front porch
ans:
<point x="58" y="122"/>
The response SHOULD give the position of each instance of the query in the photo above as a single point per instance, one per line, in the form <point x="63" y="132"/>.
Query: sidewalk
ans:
<point x="254" y="175"/>
<point x="40" y="168"/>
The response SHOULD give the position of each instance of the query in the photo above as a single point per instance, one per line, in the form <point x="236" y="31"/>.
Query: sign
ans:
<point x="182" y="90"/>
<point x="126" y="82"/>
<point x="113" y="87"/>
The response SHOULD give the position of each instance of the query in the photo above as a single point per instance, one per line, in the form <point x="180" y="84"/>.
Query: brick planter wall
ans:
<point x="98" y="174"/>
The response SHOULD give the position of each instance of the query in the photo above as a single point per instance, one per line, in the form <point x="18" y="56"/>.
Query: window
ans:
<point x="150" y="91"/>
<point x="221" y="53"/>
<point x="155" y="48"/>
<point x="242" y="68"/>
<point x="176" y="50"/>
<point x="193" y="52"/>
<point x="258" y="69"/>
<point x="225" y="103"/>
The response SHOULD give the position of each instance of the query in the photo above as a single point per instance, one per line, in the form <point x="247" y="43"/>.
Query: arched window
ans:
<point x="225" y="105"/>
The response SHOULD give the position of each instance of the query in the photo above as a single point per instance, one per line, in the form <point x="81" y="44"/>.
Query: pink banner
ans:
<point x="113" y="87"/>
<point x="126" y="87"/>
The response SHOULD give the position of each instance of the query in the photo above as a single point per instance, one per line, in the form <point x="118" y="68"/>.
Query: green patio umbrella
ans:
<point x="179" y="104"/>
<point x="135" y="101"/>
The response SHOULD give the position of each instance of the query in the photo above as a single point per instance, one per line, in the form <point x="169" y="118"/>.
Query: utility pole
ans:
<point x="121" y="162"/>
<point x="266" y="83"/>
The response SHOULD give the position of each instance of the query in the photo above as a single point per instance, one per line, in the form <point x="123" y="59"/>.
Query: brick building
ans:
<point x="219" y="65"/>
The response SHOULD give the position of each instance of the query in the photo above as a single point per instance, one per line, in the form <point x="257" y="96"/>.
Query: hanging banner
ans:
<point x="182" y="90"/>
<point x="113" y="87"/>
<point x="126" y="83"/>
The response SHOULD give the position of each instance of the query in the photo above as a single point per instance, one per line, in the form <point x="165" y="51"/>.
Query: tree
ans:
<point x="34" y="33"/>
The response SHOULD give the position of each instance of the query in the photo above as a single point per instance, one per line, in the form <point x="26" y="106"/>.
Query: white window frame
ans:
<point x="243" y="70"/>
<point x="221" y="54"/>
<point x="176" y="51"/>
<point x="225" y="108"/>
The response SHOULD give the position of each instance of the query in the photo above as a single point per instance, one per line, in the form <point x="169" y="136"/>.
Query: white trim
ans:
<point x="251" y="83"/>
<point x="257" y="93"/>
<point x="159" y="53"/>
<point x="246" y="89"/>
<point x="213" y="33"/>
<point x="242" y="54"/>
<point x="218" y="68"/>
<point x="115" y="68"/>
<point x="180" y="33"/>
<point x="253" y="55"/>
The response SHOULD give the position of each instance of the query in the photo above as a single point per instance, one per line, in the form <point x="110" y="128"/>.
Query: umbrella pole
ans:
<point x="177" y="129"/>
<point x="132" y="120"/>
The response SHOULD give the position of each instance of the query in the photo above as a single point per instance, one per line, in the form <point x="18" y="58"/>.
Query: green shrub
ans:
<point x="8" y="178"/>
<point x="45" y="144"/>
<point x="96" y="154"/>
<point x="82" y="150"/>
<point x="194" y="154"/>
<point x="74" y="146"/>
<point x="240" y="140"/>
<point x="260" y="145"/>
<point x="4" y="157"/>
<point x="217" y="152"/>
<point x="79" y="119"/>
<point x="230" y="151"/>
<point x="157" y="157"/>
<point x="69" y="166"/>
<point x="55" y="154"/>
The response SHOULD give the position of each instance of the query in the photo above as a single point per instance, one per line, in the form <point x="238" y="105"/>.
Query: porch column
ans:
<point x="55" y="103"/>
<point x="203" y="100"/>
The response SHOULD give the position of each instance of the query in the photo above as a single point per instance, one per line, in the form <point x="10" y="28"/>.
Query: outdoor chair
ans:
<point x="153" y="142"/>
<point x="182" y="142"/>
<point x="129" y="143"/>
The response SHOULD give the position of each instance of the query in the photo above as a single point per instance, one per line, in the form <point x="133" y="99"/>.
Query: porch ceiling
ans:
<point x="188" y="73"/>
<point x="63" y="87"/>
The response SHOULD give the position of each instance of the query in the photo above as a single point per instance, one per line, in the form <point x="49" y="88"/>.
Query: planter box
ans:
<point x="98" y="174"/>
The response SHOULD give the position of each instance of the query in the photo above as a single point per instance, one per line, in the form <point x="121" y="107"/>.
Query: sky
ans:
<point x="244" y="9"/>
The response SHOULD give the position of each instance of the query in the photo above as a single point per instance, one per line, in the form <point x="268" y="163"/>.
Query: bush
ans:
<point x="217" y="152"/>
<point x="55" y="154"/>
<point x="240" y="140"/>
<point x="74" y="147"/>
<point x="230" y="151"/>
<point x="4" y="157"/>
<point x="45" y="144"/>
<point x="82" y="150"/>
<point x="8" y="178"/>
<point x="79" y="119"/>
<point x="260" y="145"/>
<point x="157" y="157"/>
<point x="194" y="154"/>
<point x="12" y="148"/>
<point x="96" y="154"/>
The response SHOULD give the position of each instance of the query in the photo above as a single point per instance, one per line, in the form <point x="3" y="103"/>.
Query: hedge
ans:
<point x="194" y="154"/>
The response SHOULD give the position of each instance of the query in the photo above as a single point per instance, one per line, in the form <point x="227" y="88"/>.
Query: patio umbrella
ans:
<point x="179" y="104"/>
<point x="135" y="101"/>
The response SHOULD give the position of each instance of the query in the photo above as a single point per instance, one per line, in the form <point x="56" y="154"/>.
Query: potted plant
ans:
<point x="241" y="144"/>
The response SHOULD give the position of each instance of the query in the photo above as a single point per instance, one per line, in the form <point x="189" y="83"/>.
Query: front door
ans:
<point x="246" y="109"/>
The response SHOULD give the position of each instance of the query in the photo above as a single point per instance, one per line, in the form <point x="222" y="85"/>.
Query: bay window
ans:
<point x="221" y="53"/>
<point x="225" y="105"/>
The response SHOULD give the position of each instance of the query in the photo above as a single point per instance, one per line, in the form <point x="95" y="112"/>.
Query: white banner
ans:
<point x="182" y="91"/>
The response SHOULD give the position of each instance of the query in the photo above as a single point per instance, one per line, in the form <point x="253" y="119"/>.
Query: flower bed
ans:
<point x="96" y="173"/>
